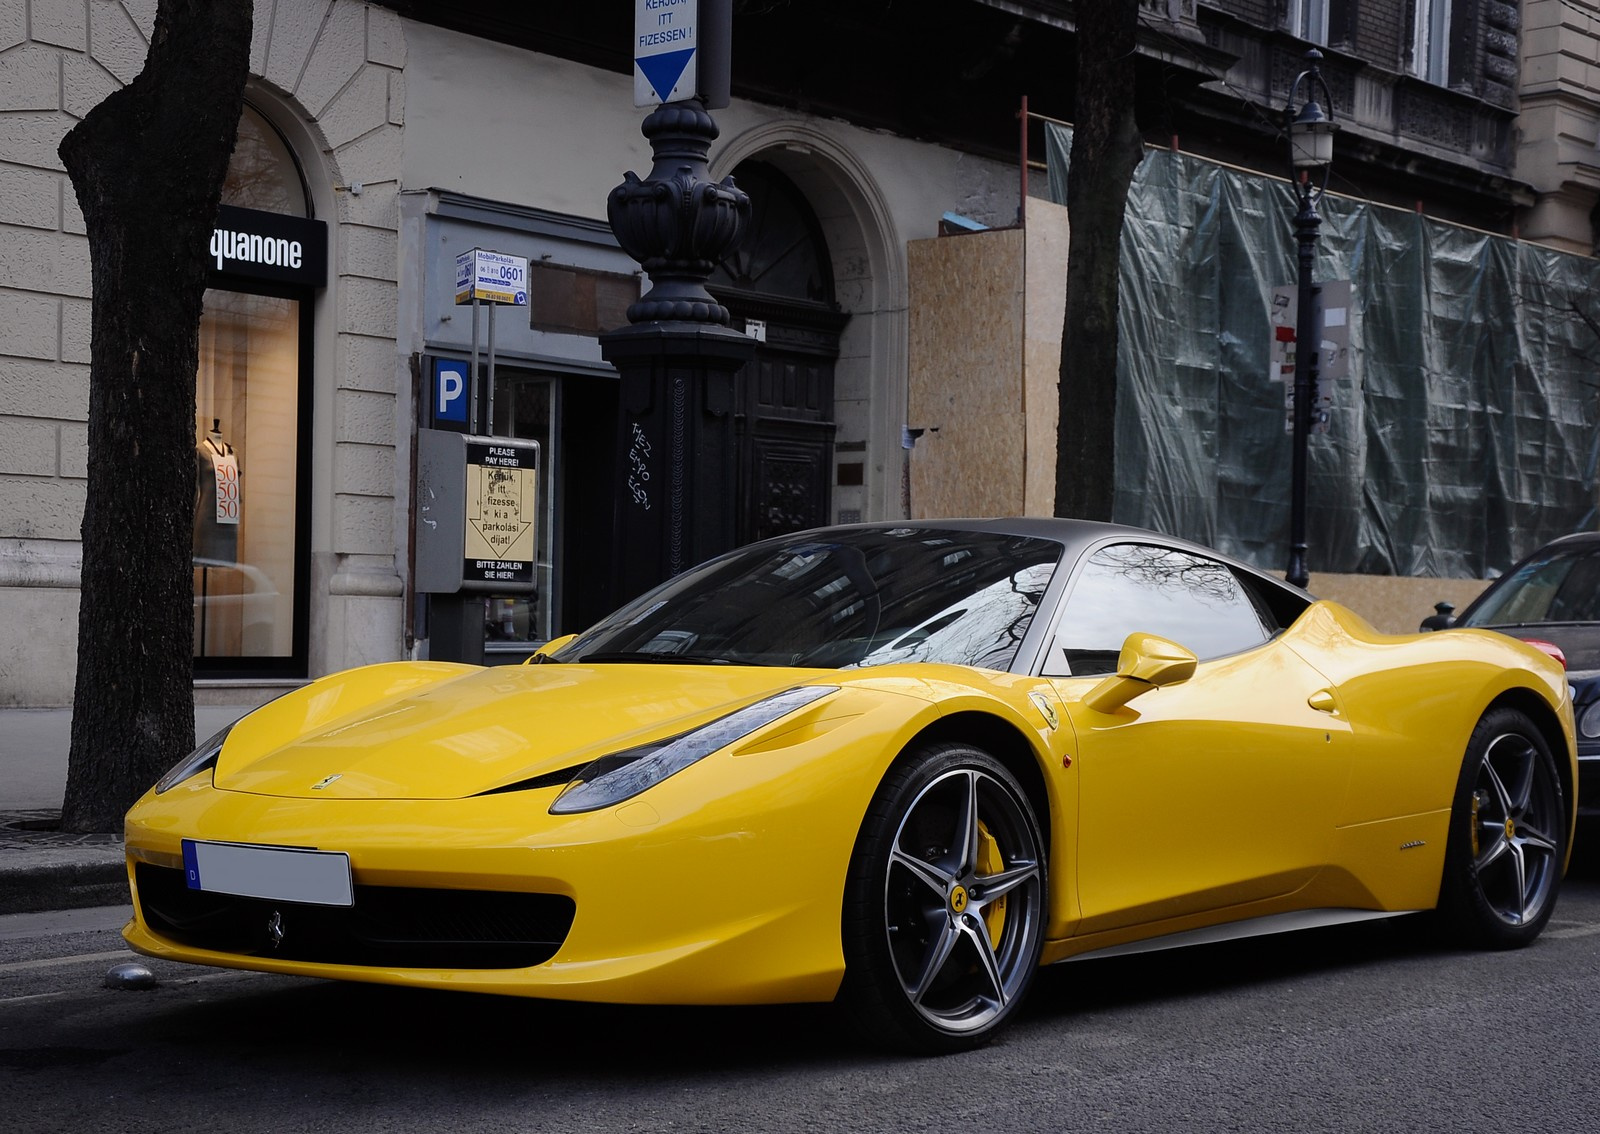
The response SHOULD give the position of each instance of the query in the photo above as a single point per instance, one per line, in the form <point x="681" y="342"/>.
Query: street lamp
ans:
<point x="1310" y="152"/>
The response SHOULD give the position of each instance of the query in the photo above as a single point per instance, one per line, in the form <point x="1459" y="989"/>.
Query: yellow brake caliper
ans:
<point x="991" y="862"/>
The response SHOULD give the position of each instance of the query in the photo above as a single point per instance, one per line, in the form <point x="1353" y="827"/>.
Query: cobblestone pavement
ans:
<point x="42" y="828"/>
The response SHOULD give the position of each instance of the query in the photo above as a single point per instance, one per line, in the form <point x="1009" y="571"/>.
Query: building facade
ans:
<point x="396" y="135"/>
<point x="405" y="143"/>
<point x="1558" y="122"/>
<point x="1485" y="113"/>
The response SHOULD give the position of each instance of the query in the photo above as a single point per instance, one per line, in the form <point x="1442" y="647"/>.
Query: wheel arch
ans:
<point x="873" y="922"/>
<point x="1538" y="710"/>
<point x="1002" y="740"/>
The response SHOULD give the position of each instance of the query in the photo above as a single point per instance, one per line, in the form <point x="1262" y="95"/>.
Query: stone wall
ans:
<point x="1559" y="98"/>
<point x="329" y="74"/>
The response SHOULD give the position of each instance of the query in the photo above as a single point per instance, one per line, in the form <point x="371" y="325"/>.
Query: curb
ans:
<point x="63" y="886"/>
<point x="44" y="868"/>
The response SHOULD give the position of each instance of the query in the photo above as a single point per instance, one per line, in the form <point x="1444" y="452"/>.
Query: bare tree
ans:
<point x="1106" y="149"/>
<point x="147" y="165"/>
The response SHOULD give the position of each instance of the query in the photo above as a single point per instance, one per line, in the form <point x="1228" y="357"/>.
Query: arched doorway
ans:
<point x="781" y="282"/>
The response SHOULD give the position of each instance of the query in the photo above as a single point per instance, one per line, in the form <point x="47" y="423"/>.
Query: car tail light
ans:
<point x="1550" y="648"/>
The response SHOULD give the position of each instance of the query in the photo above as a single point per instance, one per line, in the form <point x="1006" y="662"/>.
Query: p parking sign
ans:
<point x="450" y="390"/>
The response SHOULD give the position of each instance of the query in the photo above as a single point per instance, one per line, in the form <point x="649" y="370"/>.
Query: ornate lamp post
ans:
<point x="677" y="360"/>
<point x="1310" y="154"/>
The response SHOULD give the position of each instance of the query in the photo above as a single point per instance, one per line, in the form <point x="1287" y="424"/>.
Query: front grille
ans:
<point x="388" y="926"/>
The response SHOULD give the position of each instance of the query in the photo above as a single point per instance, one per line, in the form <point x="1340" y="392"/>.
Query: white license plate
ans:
<point x="283" y="874"/>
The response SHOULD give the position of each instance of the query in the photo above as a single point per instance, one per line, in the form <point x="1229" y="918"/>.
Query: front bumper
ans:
<point x="722" y="885"/>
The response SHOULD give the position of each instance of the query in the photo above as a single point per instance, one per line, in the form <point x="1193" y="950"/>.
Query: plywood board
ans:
<point x="972" y="469"/>
<point x="966" y="374"/>
<point x="1045" y="273"/>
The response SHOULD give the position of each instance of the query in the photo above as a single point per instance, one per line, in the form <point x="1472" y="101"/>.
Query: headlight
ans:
<point x="198" y="760"/>
<point x="1589" y="722"/>
<point x="612" y="779"/>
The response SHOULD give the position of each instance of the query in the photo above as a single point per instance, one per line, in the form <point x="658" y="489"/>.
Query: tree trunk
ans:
<point x="1106" y="149"/>
<point x="148" y="165"/>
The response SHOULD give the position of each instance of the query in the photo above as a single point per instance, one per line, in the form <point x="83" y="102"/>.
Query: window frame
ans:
<point x="1430" y="41"/>
<point x="1308" y="20"/>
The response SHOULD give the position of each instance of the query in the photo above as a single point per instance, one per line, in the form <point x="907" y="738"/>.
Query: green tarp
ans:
<point x="1463" y="436"/>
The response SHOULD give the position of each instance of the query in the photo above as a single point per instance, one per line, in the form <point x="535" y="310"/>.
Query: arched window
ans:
<point x="783" y="254"/>
<point x="252" y="415"/>
<point x="262" y="173"/>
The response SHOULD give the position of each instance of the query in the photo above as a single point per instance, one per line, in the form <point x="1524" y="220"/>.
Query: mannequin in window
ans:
<point x="218" y="500"/>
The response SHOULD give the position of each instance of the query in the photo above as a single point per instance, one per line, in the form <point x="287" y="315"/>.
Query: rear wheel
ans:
<point x="945" y="903"/>
<point x="1508" y="831"/>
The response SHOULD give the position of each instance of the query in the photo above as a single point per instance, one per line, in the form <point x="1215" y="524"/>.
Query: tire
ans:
<point x="945" y="903"/>
<point x="1508" y="831"/>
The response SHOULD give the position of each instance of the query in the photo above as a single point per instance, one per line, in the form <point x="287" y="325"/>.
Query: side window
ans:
<point x="1196" y="602"/>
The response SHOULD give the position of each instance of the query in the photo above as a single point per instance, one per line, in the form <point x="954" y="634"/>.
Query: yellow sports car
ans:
<point x="900" y="765"/>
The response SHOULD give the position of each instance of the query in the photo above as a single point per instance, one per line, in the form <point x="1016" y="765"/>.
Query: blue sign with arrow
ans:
<point x="665" y="39"/>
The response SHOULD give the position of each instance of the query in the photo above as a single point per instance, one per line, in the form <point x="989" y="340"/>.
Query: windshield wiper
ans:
<point x="652" y="657"/>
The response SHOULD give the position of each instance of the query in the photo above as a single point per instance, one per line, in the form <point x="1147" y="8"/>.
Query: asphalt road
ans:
<point x="1358" y="1029"/>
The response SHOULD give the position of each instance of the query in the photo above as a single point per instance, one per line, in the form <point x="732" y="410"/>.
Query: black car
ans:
<point x="1553" y="598"/>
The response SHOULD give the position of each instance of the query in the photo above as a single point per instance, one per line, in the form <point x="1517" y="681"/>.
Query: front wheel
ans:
<point x="1508" y="831"/>
<point x="945" y="903"/>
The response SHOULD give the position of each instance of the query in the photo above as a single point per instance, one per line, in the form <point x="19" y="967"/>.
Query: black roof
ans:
<point x="1075" y="536"/>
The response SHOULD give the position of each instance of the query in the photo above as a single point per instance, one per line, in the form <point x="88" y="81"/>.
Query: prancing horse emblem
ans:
<point x="326" y="780"/>
<point x="275" y="928"/>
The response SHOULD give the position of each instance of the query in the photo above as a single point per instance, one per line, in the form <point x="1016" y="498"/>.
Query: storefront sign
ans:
<point x="250" y="244"/>
<point x="491" y="277"/>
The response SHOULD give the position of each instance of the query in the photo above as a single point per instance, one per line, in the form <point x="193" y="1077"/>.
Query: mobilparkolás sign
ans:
<point x="250" y="244"/>
<point x="492" y="277"/>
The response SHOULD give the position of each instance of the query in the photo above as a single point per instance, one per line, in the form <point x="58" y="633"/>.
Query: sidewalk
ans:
<point x="42" y="867"/>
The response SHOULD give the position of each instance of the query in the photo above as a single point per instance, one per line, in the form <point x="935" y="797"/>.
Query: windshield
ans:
<point x="852" y="597"/>
<point x="1562" y="585"/>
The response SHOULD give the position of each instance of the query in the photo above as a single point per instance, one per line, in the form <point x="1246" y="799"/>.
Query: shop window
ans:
<point x="247" y="400"/>
<point x="252" y="417"/>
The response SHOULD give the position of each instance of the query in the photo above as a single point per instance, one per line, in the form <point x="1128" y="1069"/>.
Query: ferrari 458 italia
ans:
<point x="895" y="765"/>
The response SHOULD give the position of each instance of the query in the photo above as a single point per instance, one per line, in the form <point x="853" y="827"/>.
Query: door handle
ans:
<point x="1322" y="701"/>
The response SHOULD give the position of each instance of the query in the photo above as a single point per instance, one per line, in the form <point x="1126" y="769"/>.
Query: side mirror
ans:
<point x="1443" y="619"/>
<point x="1147" y="662"/>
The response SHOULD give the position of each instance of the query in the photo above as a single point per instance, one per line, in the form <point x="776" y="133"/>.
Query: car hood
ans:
<point x="451" y="732"/>
<point x="1580" y="641"/>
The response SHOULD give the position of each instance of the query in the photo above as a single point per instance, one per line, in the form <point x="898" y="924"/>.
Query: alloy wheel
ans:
<point x="1516" y="819"/>
<point x="964" y="899"/>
